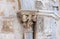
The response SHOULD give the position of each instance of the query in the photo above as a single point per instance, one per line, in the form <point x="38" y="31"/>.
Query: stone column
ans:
<point x="45" y="28"/>
<point x="27" y="20"/>
<point x="39" y="28"/>
<point x="28" y="34"/>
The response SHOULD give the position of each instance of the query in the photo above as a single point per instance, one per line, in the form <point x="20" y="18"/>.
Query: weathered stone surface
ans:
<point x="45" y="27"/>
<point x="39" y="29"/>
<point x="7" y="25"/>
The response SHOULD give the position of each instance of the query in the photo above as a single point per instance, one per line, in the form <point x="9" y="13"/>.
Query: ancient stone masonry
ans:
<point x="7" y="25"/>
<point x="13" y="3"/>
<point x="27" y="19"/>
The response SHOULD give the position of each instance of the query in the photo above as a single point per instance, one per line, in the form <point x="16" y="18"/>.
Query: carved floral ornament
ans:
<point x="27" y="19"/>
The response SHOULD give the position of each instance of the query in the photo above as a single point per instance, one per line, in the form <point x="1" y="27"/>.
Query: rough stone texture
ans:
<point x="50" y="27"/>
<point x="7" y="10"/>
<point x="7" y="25"/>
<point x="39" y="29"/>
<point x="17" y="31"/>
<point x="45" y="28"/>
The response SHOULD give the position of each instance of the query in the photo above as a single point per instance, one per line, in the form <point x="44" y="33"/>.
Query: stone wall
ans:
<point x="45" y="28"/>
<point x="10" y="28"/>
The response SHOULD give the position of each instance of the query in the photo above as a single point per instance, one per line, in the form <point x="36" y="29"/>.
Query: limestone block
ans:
<point x="46" y="28"/>
<point x="50" y="27"/>
<point x="39" y="28"/>
<point x="13" y="3"/>
<point x="7" y="25"/>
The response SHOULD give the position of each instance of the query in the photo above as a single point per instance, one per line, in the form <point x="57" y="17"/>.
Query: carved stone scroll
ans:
<point x="27" y="19"/>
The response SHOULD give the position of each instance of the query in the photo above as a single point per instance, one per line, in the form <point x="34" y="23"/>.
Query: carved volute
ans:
<point x="27" y="19"/>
